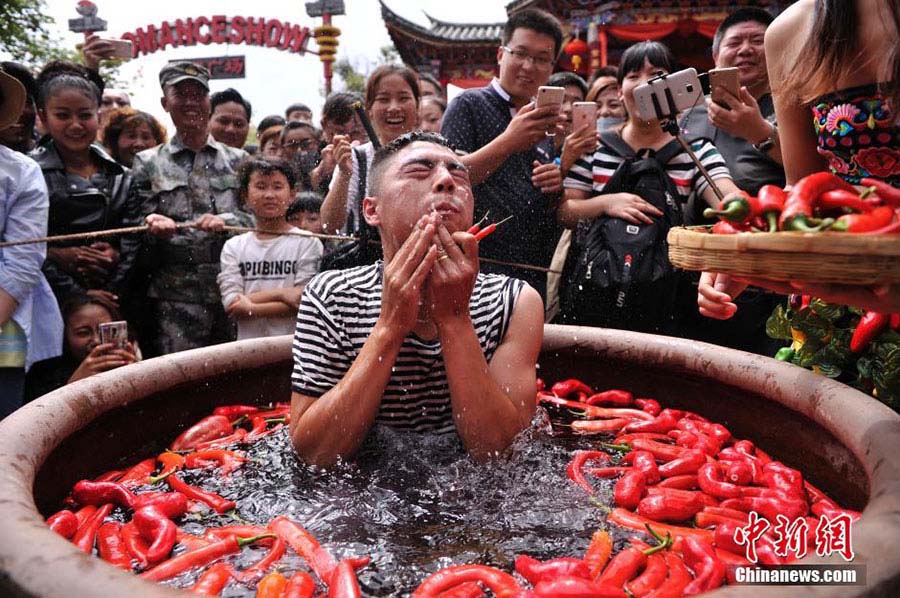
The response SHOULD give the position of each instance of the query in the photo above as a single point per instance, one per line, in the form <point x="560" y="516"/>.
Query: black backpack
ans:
<point x="618" y="274"/>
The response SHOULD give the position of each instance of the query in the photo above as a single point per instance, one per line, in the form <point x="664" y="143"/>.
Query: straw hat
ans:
<point x="12" y="99"/>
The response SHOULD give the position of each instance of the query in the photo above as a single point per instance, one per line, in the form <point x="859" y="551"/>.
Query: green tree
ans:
<point x="24" y="34"/>
<point x="354" y="76"/>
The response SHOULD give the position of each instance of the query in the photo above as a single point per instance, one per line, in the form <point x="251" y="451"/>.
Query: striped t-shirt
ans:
<point x="338" y="310"/>
<point x="591" y="172"/>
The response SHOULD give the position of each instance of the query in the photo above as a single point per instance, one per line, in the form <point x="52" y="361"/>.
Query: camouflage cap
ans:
<point x="176" y="72"/>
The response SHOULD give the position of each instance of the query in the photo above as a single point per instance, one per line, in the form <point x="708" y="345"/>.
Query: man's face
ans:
<point x="112" y="99"/>
<point x="353" y="129"/>
<point x="297" y="142"/>
<point x="303" y="116"/>
<point x="18" y="135"/>
<point x="527" y="65"/>
<point x="229" y="124"/>
<point x="422" y="178"/>
<point x="742" y="47"/>
<point x="187" y="102"/>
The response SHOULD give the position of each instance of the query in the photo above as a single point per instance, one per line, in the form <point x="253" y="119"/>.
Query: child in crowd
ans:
<point x="304" y="212"/>
<point x="262" y="275"/>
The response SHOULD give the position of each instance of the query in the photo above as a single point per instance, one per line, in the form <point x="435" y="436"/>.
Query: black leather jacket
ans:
<point x="78" y="205"/>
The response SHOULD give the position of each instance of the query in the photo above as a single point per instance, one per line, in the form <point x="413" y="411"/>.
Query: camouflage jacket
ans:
<point x="177" y="182"/>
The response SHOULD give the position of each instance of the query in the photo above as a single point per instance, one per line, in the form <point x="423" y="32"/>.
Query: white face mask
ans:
<point x="607" y="122"/>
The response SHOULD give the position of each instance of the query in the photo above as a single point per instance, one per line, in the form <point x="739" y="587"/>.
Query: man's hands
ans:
<point x="546" y="177"/>
<point x="449" y="286"/>
<point x="343" y="153"/>
<point x="404" y="279"/>
<point x="716" y="293"/>
<point x="241" y="308"/>
<point x="96" y="49"/>
<point x="209" y="223"/>
<point x="165" y="227"/>
<point x="530" y="125"/>
<point x="579" y="142"/>
<point x="744" y="118"/>
<point x="102" y="358"/>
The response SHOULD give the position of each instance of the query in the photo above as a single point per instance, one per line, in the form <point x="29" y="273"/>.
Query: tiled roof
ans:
<point x="442" y="31"/>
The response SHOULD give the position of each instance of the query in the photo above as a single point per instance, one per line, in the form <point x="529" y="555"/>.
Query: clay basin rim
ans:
<point x="846" y="441"/>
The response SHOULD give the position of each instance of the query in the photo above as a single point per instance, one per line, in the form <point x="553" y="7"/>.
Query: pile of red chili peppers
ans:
<point x="151" y="543"/>
<point x="682" y="479"/>
<point x="818" y="202"/>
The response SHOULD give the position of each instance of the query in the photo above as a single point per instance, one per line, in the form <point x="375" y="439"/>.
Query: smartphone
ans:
<point x="547" y="95"/>
<point x="728" y="79"/>
<point x="122" y="48"/>
<point x="584" y="113"/>
<point x="665" y="97"/>
<point x="115" y="333"/>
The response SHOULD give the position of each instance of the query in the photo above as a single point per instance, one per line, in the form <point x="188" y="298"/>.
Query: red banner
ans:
<point x="219" y="29"/>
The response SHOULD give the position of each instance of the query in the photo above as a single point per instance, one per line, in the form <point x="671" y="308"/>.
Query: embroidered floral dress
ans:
<point x="859" y="134"/>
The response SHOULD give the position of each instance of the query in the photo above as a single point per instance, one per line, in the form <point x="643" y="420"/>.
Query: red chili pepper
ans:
<point x="712" y="481"/>
<point x="736" y="206"/>
<point x="663" y="452"/>
<point x="663" y="423"/>
<point x="607" y="472"/>
<point x="599" y="426"/>
<point x="87" y="533"/>
<point x="649" y="405"/>
<point x="137" y="475"/>
<point x="472" y="589"/>
<point x="888" y="193"/>
<point x="500" y="583"/>
<point x="616" y="398"/>
<point x="477" y="226"/>
<point x="779" y="476"/>
<point x="575" y="587"/>
<point x="271" y="586"/>
<point x="111" y="546"/>
<point x="677" y="579"/>
<point x="669" y="508"/>
<point x="770" y="507"/>
<point x="644" y="462"/>
<point x="705" y="499"/>
<point x="301" y="585"/>
<point x="240" y="435"/>
<point x="739" y="473"/>
<point x="571" y="386"/>
<point x="765" y="549"/>
<point x="214" y="501"/>
<point x="487" y="230"/>
<point x="653" y="575"/>
<point x="629" y="489"/>
<point x="197" y="558"/>
<point x="723" y="227"/>
<point x="208" y="428"/>
<point x="158" y="530"/>
<point x="214" y="534"/>
<point x="343" y="583"/>
<point x="190" y="541"/>
<point x="709" y="570"/>
<point x="535" y="571"/>
<point x="99" y="493"/>
<point x="109" y="476"/>
<point x="625" y="518"/>
<point x="870" y="326"/>
<point x="135" y="544"/>
<point x="64" y="523"/>
<point x="213" y="580"/>
<point x="799" y="205"/>
<point x="575" y="469"/>
<point x="841" y="200"/>
<point x="625" y="565"/>
<point x="598" y="552"/>
<point x="711" y="520"/>
<point x="235" y="411"/>
<point x="730" y="513"/>
<point x="227" y="461"/>
<point x="259" y="568"/>
<point x="680" y="482"/>
<point x="863" y="223"/>
<point x="171" y="463"/>
<point x="304" y="544"/>
<point x="170" y="504"/>
<point x="771" y="202"/>
<point x="687" y="463"/>
<point x="594" y="411"/>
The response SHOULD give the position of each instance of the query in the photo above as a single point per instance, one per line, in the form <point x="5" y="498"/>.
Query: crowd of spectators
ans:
<point x="76" y="157"/>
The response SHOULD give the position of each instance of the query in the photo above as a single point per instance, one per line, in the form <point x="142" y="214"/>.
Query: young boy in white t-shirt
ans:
<point x="262" y="275"/>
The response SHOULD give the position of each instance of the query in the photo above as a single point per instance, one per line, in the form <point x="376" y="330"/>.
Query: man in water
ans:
<point x="422" y="341"/>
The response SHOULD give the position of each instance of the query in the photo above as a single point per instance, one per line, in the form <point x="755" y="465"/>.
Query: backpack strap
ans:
<point x="617" y="145"/>
<point x="668" y="151"/>
<point x="361" y="170"/>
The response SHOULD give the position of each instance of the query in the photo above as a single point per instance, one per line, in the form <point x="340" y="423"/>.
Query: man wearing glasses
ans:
<point x="504" y="141"/>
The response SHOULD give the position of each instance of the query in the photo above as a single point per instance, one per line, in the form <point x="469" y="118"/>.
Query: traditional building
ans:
<point x="465" y="54"/>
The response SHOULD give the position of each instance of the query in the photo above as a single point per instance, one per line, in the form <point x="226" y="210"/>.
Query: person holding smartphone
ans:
<point x="502" y="133"/>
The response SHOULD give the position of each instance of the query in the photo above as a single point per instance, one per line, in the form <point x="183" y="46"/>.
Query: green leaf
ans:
<point x="816" y="328"/>
<point x="778" y="326"/>
<point x="829" y="311"/>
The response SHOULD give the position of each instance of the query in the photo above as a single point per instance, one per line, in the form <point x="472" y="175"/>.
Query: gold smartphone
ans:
<point x="728" y="79"/>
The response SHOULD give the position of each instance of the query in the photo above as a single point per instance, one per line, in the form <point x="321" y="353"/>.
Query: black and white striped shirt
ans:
<point x="338" y="310"/>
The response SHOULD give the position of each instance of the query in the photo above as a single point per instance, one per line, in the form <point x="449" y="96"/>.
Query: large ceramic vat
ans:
<point x="845" y="442"/>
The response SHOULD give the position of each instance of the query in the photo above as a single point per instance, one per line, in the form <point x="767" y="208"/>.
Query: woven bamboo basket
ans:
<point x="855" y="259"/>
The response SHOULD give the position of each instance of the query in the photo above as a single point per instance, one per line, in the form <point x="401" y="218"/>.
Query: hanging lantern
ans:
<point x="577" y="52"/>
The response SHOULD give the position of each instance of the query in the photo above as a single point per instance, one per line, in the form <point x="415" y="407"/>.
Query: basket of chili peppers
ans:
<point x="820" y="230"/>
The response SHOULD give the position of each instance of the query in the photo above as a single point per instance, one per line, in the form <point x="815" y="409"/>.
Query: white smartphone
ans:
<point x="122" y="48"/>
<point x="665" y="97"/>
<point x="548" y="95"/>
<point x="584" y="113"/>
<point x="115" y="333"/>
<point x="728" y="79"/>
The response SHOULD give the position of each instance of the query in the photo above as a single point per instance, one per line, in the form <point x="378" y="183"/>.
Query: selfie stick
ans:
<point x="367" y="124"/>
<point x="669" y="124"/>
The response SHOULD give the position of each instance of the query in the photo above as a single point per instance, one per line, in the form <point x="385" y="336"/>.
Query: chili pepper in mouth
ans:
<point x="111" y="546"/>
<point x="198" y="558"/>
<point x="86" y="535"/>
<point x="800" y="203"/>
<point x="770" y="200"/>
<point x="598" y="552"/>
<point x="64" y="523"/>
<point x="99" y="493"/>
<point x="171" y="463"/>
<point x="870" y="326"/>
<point x="629" y="489"/>
<point x="888" y="193"/>
<point x="502" y="584"/>
<point x="490" y="228"/>
<point x="302" y="585"/>
<point x="841" y="200"/>
<point x="737" y="207"/>
<point x="214" y="501"/>
<point x="709" y="570"/>
<point x="863" y="223"/>
<point x="208" y="428"/>
<point x="575" y="469"/>
<point x="213" y="580"/>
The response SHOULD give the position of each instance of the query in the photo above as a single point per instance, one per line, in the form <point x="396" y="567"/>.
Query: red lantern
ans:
<point x="577" y="51"/>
